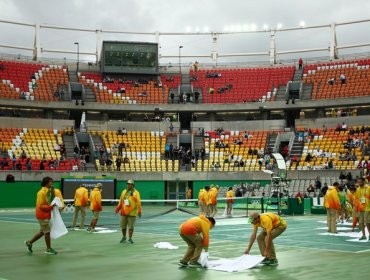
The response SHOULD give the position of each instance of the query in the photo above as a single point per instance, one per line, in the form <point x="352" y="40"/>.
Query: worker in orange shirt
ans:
<point x="195" y="232"/>
<point x="130" y="206"/>
<point x="229" y="201"/>
<point x="189" y="193"/>
<point x="81" y="200"/>
<point x="203" y="200"/>
<point x="272" y="226"/>
<point x="212" y="201"/>
<point x="43" y="215"/>
<point x="351" y="199"/>
<point x="332" y="205"/>
<point x="362" y="207"/>
<point x="95" y="206"/>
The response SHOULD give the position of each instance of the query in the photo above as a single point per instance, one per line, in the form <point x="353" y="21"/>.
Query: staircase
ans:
<point x="69" y="144"/>
<point x="297" y="148"/>
<point x="89" y="94"/>
<point x="280" y="94"/>
<point x="306" y="93"/>
<point x="72" y="76"/>
<point x="271" y="141"/>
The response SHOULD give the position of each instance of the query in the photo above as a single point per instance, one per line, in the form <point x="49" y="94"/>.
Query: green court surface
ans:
<point x="304" y="250"/>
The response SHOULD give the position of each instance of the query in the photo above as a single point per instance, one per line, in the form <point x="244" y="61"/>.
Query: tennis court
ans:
<point x="304" y="251"/>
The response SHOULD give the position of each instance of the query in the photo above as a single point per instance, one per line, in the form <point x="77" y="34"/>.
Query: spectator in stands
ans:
<point x="18" y="165"/>
<point x="169" y="79"/>
<point x="331" y="81"/>
<point x="310" y="189"/>
<point x="14" y="160"/>
<point x="76" y="151"/>
<point x="172" y="96"/>
<point x="324" y="189"/>
<point x="119" y="131"/>
<point x="342" y="78"/>
<point x="196" y="65"/>
<point x="4" y="162"/>
<point x="309" y="157"/>
<point x="118" y="163"/>
<point x="126" y="160"/>
<point x="82" y="166"/>
<point x="196" y="96"/>
<point x="330" y="164"/>
<point x="300" y="63"/>
<point x="217" y="166"/>
<point x="318" y="184"/>
<point x="23" y="154"/>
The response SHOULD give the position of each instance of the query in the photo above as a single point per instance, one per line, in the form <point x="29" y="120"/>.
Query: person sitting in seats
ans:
<point x="331" y="81"/>
<point x="342" y="78"/>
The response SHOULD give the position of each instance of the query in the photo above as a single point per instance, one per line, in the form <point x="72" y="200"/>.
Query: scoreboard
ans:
<point x="129" y="57"/>
<point x="70" y="184"/>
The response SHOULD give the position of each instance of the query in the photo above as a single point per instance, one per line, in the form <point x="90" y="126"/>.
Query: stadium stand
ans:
<point x="356" y="74"/>
<point x="240" y="85"/>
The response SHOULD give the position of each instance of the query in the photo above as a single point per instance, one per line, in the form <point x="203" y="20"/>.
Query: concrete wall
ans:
<point x="332" y="122"/>
<point x="241" y="125"/>
<point x="132" y="126"/>
<point x="173" y="176"/>
<point x="6" y="122"/>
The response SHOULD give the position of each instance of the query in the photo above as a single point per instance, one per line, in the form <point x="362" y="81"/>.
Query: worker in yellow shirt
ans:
<point x="362" y="206"/>
<point x="212" y="201"/>
<point x="332" y="205"/>
<point x="129" y="206"/>
<point x="95" y="206"/>
<point x="43" y="215"/>
<point x="203" y="200"/>
<point x="81" y="200"/>
<point x="229" y="201"/>
<point x="272" y="226"/>
<point x="195" y="232"/>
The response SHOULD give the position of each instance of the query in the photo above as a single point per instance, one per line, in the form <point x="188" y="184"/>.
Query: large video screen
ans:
<point x="69" y="185"/>
<point x="129" y="57"/>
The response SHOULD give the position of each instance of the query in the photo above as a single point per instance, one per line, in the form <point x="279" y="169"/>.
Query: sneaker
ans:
<point x="89" y="230"/>
<point x="123" y="239"/>
<point x="273" y="262"/>
<point x="131" y="241"/>
<point x="362" y="238"/>
<point x="265" y="261"/>
<point x="195" y="265"/>
<point x="29" y="246"/>
<point x="50" y="251"/>
<point x="183" y="263"/>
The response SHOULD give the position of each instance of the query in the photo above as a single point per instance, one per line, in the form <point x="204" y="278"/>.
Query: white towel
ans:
<point x="57" y="226"/>
<point x="236" y="264"/>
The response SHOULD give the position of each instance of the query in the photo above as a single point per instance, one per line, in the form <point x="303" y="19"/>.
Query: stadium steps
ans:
<point x="89" y="94"/>
<point x="72" y="76"/>
<point x="68" y="141"/>
<point x="306" y="93"/>
<point x="280" y="94"/>
<point x="298" y="73"/>
<point x="271" y="141"/>
<point x="198" y="143"/>
<point x="297" y="148"/>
